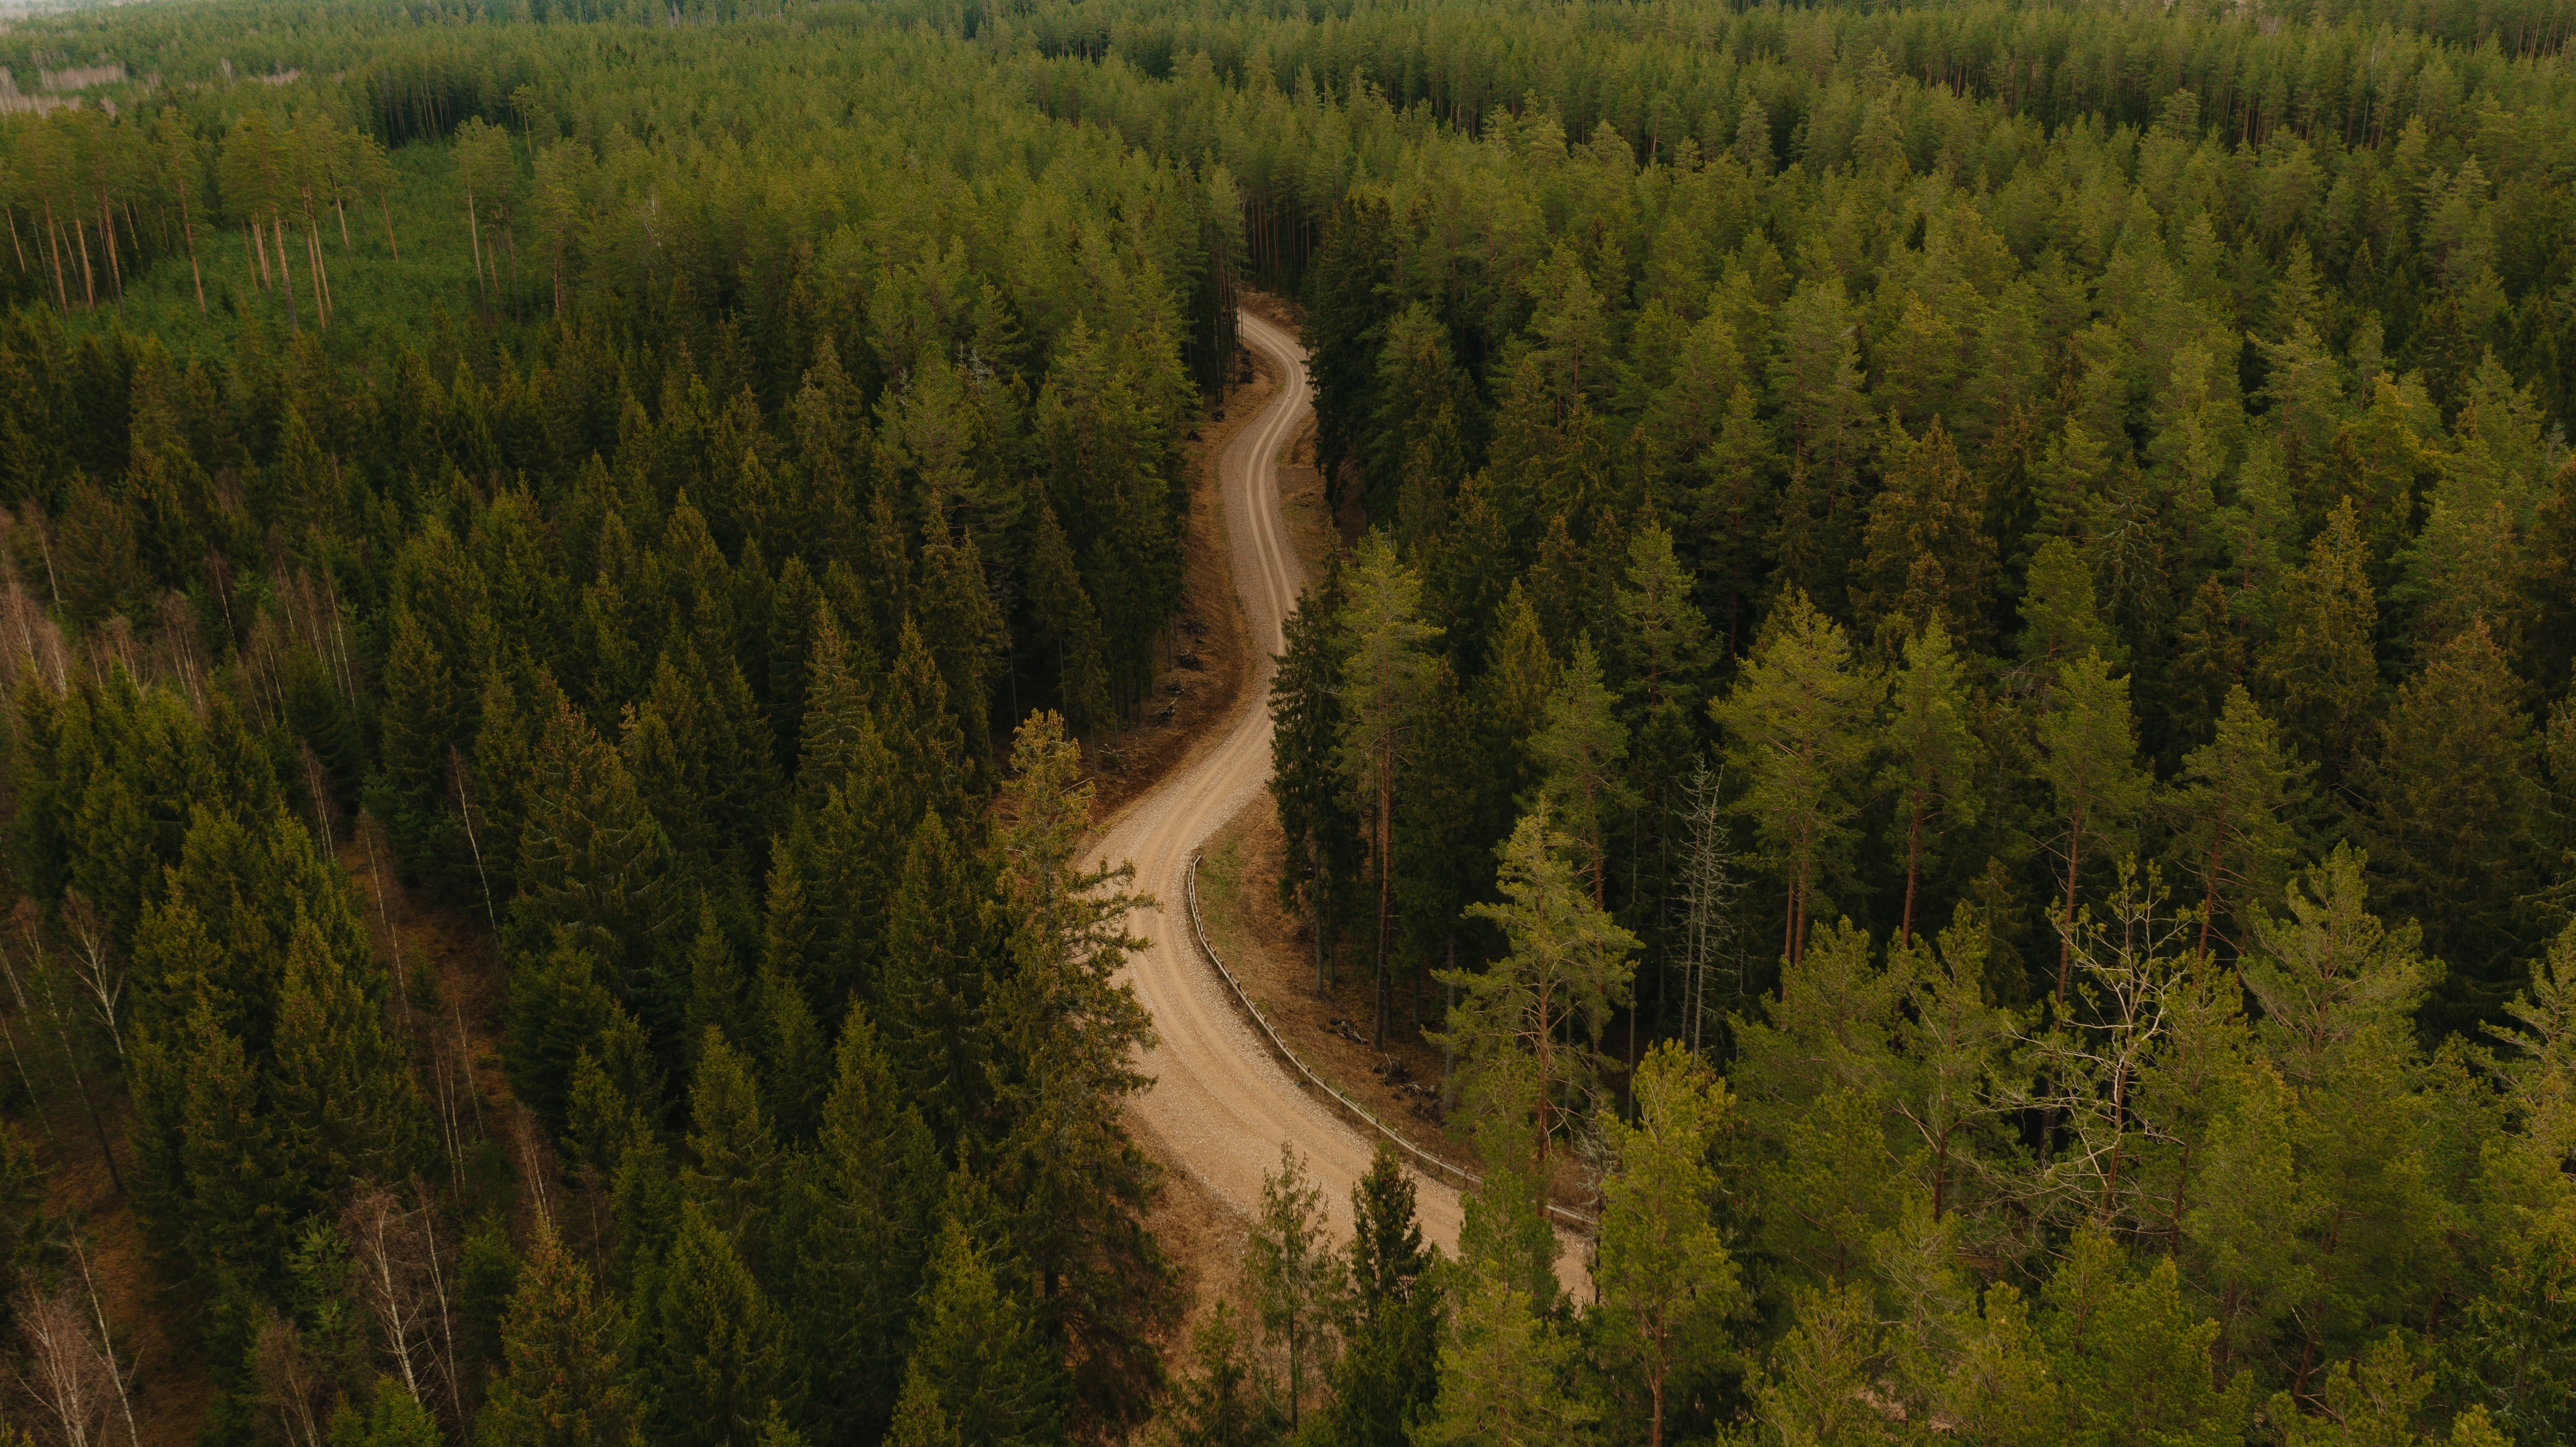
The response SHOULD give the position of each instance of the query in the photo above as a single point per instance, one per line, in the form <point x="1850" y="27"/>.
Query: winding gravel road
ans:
<point x="1221" y="1104"/>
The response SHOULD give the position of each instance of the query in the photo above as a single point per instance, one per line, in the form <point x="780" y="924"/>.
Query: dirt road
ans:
<point x="1221" y="1103"/>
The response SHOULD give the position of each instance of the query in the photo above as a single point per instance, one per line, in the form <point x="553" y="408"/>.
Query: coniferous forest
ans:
<point x="1949" y="677"/>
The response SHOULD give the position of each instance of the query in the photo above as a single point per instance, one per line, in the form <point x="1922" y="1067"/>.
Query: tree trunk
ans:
<point x="388" y="210"/>
<point x="474" y="234"/>
<point x="54" y="234"/>
<point x="2209" y="898"/>
<point x="285" y="273"/>
<point x="1385" y="884"/>
<point x="1315" y="908"/>
<point x="1913" y="867"/>
<point x="188" y="228"/>
<point x="89" y="276"/>
<point x="107" y="239"/>
<point x="2066" y="935"/>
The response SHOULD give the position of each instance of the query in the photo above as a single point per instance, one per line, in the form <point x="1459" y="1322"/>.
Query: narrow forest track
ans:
<point x="1222" y="1104"/>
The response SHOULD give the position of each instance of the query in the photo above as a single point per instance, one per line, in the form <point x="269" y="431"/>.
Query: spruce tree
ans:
<point x="979" y="1360"/>
<point x="2454" y="795"/>
<point x="1320" y="829"/>
<point x="719" y="1354"/>
<point x="870" y="1200"/>
<point x="2319" y="669"/>
<point x="566" y="1378"/>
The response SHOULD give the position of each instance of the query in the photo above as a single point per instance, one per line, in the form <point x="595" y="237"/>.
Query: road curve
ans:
<point x="1221" y="1104"/>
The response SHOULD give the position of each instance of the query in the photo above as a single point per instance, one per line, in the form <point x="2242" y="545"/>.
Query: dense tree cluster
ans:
<point x="1956" y="672"/>
<point x="2019" y="617"/>
<point x="688" y="604"/>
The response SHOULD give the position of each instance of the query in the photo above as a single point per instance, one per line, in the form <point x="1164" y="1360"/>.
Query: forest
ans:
<point x="1948" y="678"/>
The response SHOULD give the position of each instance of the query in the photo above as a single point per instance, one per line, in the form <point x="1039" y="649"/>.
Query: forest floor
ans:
<point x="168" y="1381"/>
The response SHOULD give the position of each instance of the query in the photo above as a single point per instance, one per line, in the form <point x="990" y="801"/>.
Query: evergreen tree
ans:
<point x="1928" y="558"/>
<point x="1079" y="1186"/>
<point x="1794" y="720"/>
<point x="2089" y="760"/>
<point x="1386" y="674"/>
<point x="1320" y="829"/>
<point x="979" y="1361"/>
<point x="1933" y="755"/>
<point x="1296" y="1281"/>
<point x="719" y="1357"/>
<point x="870" y="1204"/>
<point x="2236" y="834"/>
<point x="1665" y="1276"/>
<point x="1566" y="966"/>
<point x="2319" y="666"/>
<point x="1578" y="749"/>
<point x="2455" y="792"/>
<point x="565" y="1378"/>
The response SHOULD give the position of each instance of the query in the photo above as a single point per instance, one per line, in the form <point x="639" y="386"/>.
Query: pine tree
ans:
<point x="1933" y="754"/>
<point x="1508" y="1376"/>
<point x="1232" y="1401"/>
<point x="1530" y="1026"/>
<point x="1578" y="749"/>
<point x="1665" y="1276"/>
<point x="1296" y="1280"/>
<point x="2236" y="810"/>
<point x="1386" y="673"/>
<point x="1795" y="721"/>
<point x="2059" y="620"/>
<point x="2089" y="760"/>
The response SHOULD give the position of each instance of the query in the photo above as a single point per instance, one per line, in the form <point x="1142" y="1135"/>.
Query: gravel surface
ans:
<point x="1221" y="1105"/>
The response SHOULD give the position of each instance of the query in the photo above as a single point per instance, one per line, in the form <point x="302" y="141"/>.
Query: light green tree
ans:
<point x="1797" y="725"/>
<point x="1529" y="1027"/>
<point x="1932" y="754"/>
<point x="1386" y="675"/>
<point x="1667" y="1282"/>
<point x="2089" y="759"/>
<point x="1296" y="1278"/>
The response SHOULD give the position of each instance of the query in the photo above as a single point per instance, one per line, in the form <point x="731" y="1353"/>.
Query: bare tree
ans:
<point x="1709" y="887"/>
<point x="31" y="932"/>
<point x="396" y="1249"/>
<point x="95" y="963"/>
<point x="67" y="1371"/>
<point x="292" y="1387"/>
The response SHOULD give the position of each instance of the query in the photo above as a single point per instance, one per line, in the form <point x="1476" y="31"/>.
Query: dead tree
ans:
<point x="67" y="1371"/>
